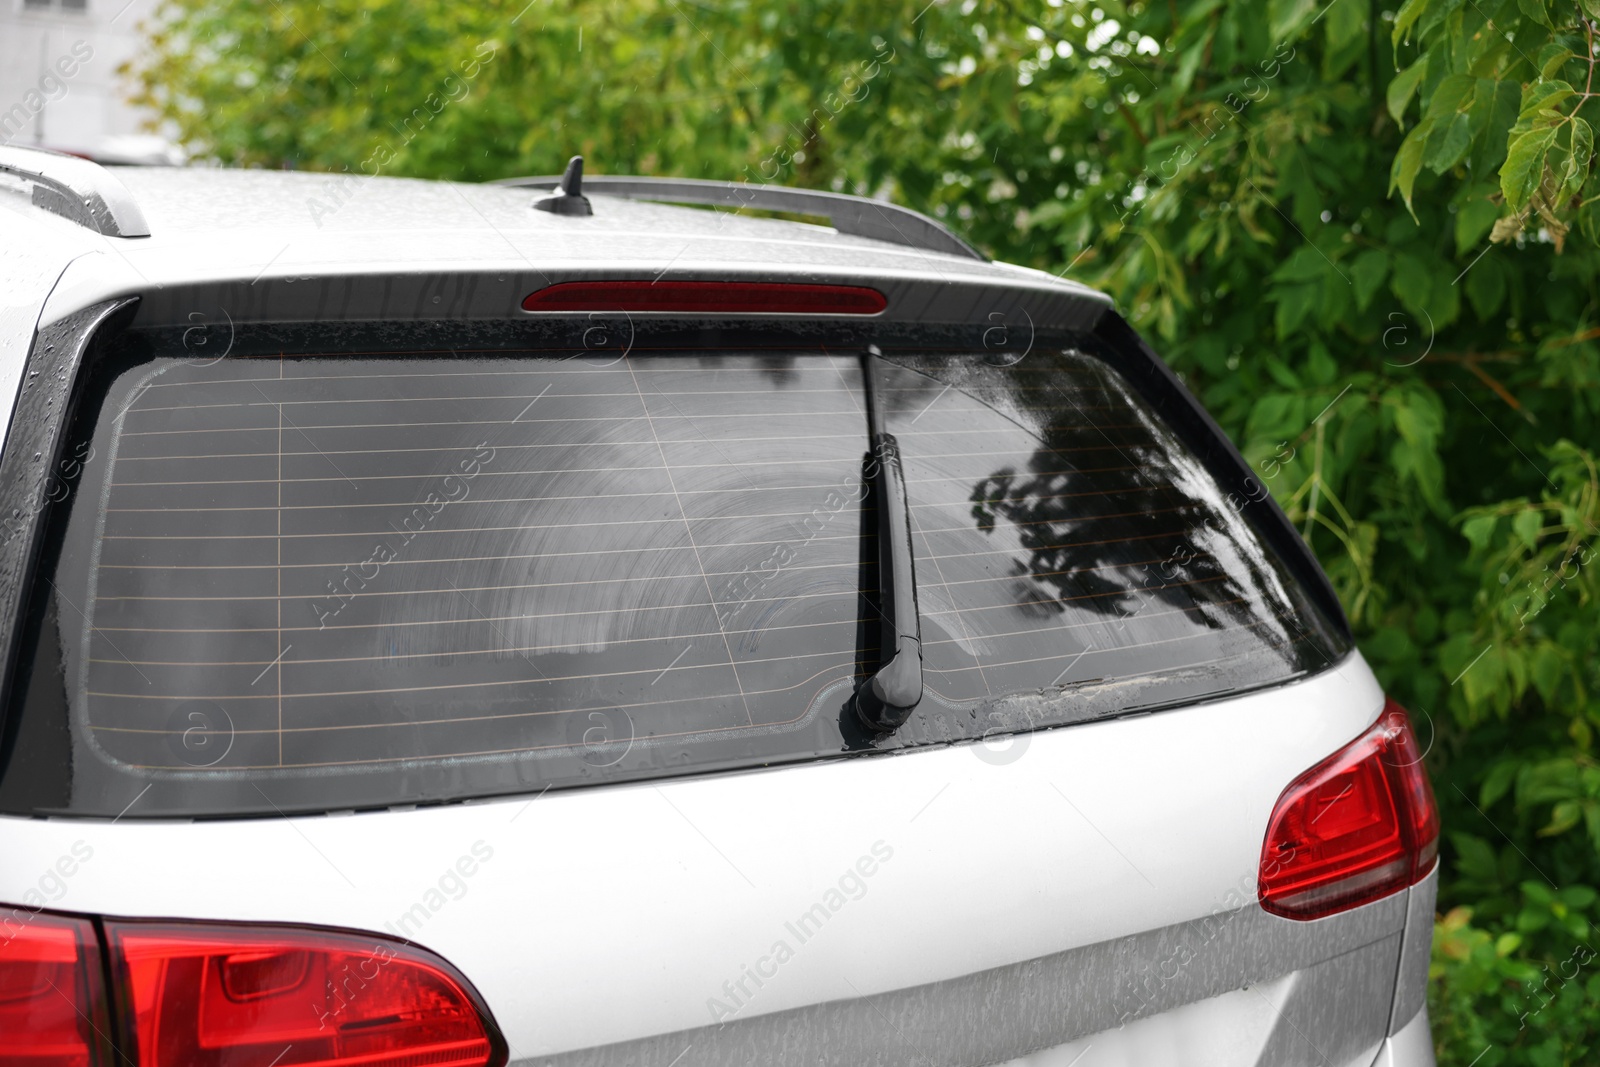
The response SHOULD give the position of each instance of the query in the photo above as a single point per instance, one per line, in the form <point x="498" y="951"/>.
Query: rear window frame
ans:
<point x="104" y="333"/>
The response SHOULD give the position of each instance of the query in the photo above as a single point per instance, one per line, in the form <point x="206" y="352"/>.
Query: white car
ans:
<point x="456" y="625"/>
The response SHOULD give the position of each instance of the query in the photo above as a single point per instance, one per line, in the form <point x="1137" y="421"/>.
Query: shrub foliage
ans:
<point x="1364" y="231"/>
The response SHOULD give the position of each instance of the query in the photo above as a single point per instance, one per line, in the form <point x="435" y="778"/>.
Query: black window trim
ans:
<point x="1126" y="350"/>
<point x="53" y="378"/>
<point x="39" y="419"/>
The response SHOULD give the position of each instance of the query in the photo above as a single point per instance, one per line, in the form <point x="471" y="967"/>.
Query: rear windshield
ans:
<point x="320" y="579"/>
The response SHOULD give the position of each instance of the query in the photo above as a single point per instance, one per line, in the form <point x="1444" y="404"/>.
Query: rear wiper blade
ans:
<point x="886" y="699"/>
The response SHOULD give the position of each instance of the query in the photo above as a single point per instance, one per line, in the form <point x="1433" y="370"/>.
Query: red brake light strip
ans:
<point x="730" y="298"/>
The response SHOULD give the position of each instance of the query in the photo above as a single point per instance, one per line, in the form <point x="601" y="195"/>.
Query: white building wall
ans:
<point x="58" y="82"/>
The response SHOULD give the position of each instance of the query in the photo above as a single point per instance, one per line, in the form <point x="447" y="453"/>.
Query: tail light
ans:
<point x="1358" y="826"/>
<point x="52" y="1005"/>
<point x="224" y="995"/>
<point x="730" y="298"/>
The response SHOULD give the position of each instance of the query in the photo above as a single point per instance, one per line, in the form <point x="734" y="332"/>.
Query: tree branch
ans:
<point x="1133" y="124"/>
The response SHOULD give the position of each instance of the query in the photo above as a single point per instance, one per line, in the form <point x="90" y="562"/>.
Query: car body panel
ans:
<point x="35" y="248"/>
<point x="1029" y="1007"/>
<point x="413" y="250"/>
<point x="1411" y="987"/>
<point x="1411" y="1046"/>
<point x="1265" y="1024"/>
<point x="614" y="914"/>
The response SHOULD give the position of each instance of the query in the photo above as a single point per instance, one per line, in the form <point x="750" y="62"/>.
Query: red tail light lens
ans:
<point x="732" y="298"/>
<point x="51" y="1003"/>
<point x="1357" y="826"/>
<point x="220" y="996"/>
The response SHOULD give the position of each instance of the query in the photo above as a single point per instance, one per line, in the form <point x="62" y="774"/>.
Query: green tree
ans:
<point x="1364" y="232"/>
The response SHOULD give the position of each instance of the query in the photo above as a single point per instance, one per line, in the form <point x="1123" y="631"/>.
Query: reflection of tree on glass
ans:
<point x="1098" y="511"/>
<point x="1109" y="549"/>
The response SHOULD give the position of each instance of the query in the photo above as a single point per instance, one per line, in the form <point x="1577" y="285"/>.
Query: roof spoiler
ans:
<point x="857" y="215"/>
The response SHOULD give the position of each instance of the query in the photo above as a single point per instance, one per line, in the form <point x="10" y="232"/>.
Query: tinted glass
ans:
<point x="1064" y="537"/>
<point x="320" y="580"/>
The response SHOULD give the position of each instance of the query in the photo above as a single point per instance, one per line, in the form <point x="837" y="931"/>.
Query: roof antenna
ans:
<point x="569" y="200"/>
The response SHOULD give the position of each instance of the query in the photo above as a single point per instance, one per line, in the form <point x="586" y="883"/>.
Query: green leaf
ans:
<point x="1543" y="96"/>
<point x="1534" y="9"/>
<point x="1486" y="285"/>
<point x="1448" y="144"/>
<point x="1413" y="283"/>
<point x="1496" y="784"/>
<point x="1305" y="265"/>
<point x="1188" y="63"/>
<point x="1283" y="374"/>
<point x="1551" y="58"/>
<point x="1589" y="221"/>
<point x="1419" y="464"/>
<point x="1484" y="682"/>
<point x="1524" y="166"/>
<point x="1407" y="16"/>
<point x="1452" y="94"/>
<point x="1578" y="897"/>
<point x="1479" y="530"/>
<point x="1402" y="86"/>
<point x="1367" y="273"/>
<point x="1284" y="16"/>
<point x="1272" y="416"/>
<point x="1527" y="525"/>
<point x="1581" y="734"/>
<point x="1546" y="782"/>
<point x="1563" y="817"/>
<point x="1580" y="153"/>
<point x="1295" y="304"/>
<point x="1474" y="858"/>
<point x="1549" y="668"/>
<point x="1437" y="16"/>
<point x="1407" y="162"/>
<point x="1473" y="220"/>
<point x="1495" y="129"/>
<point x="1482" y="108"/>
<point x="1416" y="423"/>
<point x="1321" y="368"/>
<point x="1345" y="23"/>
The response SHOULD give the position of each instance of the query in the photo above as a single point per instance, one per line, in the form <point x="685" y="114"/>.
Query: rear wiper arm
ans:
<point x="886" y="699"/>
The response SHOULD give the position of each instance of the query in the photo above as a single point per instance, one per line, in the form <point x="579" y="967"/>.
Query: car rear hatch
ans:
<point x="535" y="644"/>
